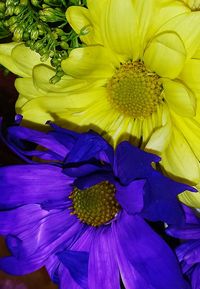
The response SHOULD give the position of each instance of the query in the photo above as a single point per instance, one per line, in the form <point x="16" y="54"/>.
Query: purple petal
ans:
<point x="14" y="221"/>
<point x="130" y="197"/>
<point x="103" y="268"/>
<point x="189" y="252"/>
<point x="18" y="134"/>
<point x="130" y="277"/>
<point x="23" y="184"/>
<point x="132" y="163"/>
<point x="93" y="179"/>
<point x="185" y="232"/>
<point x="195" y="277"/>
<point x="49" y="232"/>
<point x="77" y="264"/>
<point x="160" y="199"/>
<point x="52" y="266"/>
<point x="90" y="145"/>
<point x="84" y="169"/>
<point x="14" y="266"/>
<point x="66" y="278"/>
<point x="148" y="253"/>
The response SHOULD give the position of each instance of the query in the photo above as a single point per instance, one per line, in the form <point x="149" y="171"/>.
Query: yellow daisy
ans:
<point x="193" y="4"/>
<point x="137" y="78"/>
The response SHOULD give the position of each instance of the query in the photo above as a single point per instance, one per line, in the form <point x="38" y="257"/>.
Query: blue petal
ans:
<point x="132" y="163"/>
<point x="77" y="264"/>
<point x="148" y="253"/>
<point x="130" y="197"/>
<point x="90" y="145"/>
<point x="103" y="267"/>
<point x="14" y="266"/>
<point x="66" y="278"/>
<point x="186" y="232"/>
<point x="23" y="184"/>
<point x="93" y="179"/>
<point x="79" y="169"/>
<point x="132" y="279"/>
<point x="195" y="277"/>
<point x="20" y="139"/>
<point x="160" y="199"/>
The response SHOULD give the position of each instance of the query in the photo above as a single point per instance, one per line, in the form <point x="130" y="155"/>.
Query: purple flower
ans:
<point x="188" y="252"/>
<point x="81" y="212"/>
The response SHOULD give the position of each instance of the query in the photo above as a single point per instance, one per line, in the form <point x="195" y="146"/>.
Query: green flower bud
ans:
<point x="12" y="20"/>
<point x="43" y="50"/>
<point x="18" y="9"/>
<point x="2" y="7"/>
<point x="52" y="15"/>
<point x="60" y="72"/>
<point x="13" y="27"/>
<point x="53" y="2"/>
<point x="59" y="32"/>
<point x="41" y="29"/>
<point x="64" y="45"/>
<point x="26" y="36"/>
<point x="85" y="30"/>
<point x="44" y="57"/>
<point x="36" y="3"/>
<point x="12" y="2"/>
<point x="34" y="34"/>
<point x="54" y="62"/>
<point x="18" y="34"/>
<point x="64" y="38"/>
<point x="38" y="46"/>
<point x="9" y="10"/>
<point x="24" y="2"/>
<point x="55" y="79"/>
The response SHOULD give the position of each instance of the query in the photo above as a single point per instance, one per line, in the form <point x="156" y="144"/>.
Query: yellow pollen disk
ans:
<point x="134" y="91"/>
<point x="96" y="205"/>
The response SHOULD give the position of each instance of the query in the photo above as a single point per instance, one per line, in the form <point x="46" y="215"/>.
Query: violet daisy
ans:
<point x="81" y="213"/>
<point x="188" y="252"/>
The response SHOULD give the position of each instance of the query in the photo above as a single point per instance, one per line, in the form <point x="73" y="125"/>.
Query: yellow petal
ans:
<point x="179" y="160"/>
<point x="26" y="87"/>
<point x="152" y="15"/>
<point x="164" y="11"/>
<point x="120" y="28"/>
<point x="25" y="58"/>
<point x="190" y="74"/>
<point x="161" y="136"/>
<point x="191" y="199"/>
<point x="179" y="97"/>
<point x="43" y="73"/>
<point x="186" y="25"/>
<point x="56" y="102"/>
<point x="79" y="19"/>
<point x="7" y="60"/>
<point x="89" y="62"/>
<point x="191" y="131"/>
<point x="165" y="55"/>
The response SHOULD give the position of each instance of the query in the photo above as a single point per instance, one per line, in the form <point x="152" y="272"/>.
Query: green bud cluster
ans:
<point x="4" y="32"/>
<point x="42" y="26"/>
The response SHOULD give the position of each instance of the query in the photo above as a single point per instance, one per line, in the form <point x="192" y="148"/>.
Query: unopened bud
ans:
<point x="18" y="34"/>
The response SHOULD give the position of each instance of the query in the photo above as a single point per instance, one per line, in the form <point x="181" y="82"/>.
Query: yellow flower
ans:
<point x="193" y="4"/>
<point x="137" y="78"/>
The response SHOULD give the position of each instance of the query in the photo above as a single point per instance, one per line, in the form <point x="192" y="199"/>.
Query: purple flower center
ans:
<point x="95" y="205"/>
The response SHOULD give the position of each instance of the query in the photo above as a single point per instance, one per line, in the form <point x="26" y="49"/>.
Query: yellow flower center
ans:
<point x="96" y="205"/>
<point x="134" y="91"/>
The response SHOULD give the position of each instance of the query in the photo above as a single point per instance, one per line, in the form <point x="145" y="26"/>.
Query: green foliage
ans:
<point x="42" y="26"/>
